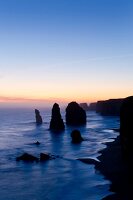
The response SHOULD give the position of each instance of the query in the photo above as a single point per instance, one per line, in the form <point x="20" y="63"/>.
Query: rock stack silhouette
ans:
<point x="126" y="127"/>
<point x="75" y="115"/>
<point x="56" y="123"/>
<point x="76" y="136"/>
<point x="38" y="117"/>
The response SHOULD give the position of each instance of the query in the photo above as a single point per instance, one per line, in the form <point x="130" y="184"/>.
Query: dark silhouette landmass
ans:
<point x="75" y="115"/>
<point x="117" y="170"/>
<point x="116" y="161"/>
<point x="76" y="136"/>
<point x="84" y="106"/>
<point x="126" y="128"/>
<point x="109" y="107"/>
<point x="38" y="117"/>
<point x="56" y="123"/>
<point x="112" y="165"/>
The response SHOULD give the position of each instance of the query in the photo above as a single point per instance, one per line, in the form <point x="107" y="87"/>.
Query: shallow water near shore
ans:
<point x="62" y="178"/>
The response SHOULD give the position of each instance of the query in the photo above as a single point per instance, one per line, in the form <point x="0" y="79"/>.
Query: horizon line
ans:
<point x="4" y="99"/>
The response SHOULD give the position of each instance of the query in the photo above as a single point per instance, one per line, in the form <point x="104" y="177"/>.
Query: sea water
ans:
<point x="62" y="178"/>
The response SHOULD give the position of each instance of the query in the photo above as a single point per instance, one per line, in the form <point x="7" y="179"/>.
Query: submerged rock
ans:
<point x="76" y="136"/>
<point x="56" y="123"/>
<point x="38" y="117"/>
<point x="30" y="158"/>
<point x="27" y="158"/>
<point x="126" y="127"/>
<point x="37" y="143"/>
<point x="75" y="115"/>
<point x="44" y="157"/>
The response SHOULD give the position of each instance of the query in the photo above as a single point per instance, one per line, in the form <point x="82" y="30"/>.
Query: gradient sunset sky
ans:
<point x="63" y="50"/>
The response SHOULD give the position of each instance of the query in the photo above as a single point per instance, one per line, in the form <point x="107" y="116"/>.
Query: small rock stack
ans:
<point x="38" y="117"/>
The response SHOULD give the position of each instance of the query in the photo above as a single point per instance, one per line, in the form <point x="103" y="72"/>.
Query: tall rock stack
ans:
<point x="126" y="127"/>
<point x="56" y="123"/>
<point x="38" y="117"/>
<point x="75" y="115"/>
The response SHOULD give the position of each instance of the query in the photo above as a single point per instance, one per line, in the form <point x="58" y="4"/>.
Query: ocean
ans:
<point x="62" y="178"/>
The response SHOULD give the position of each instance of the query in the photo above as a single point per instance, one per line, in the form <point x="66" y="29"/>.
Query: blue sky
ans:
<point x="66" y="49"/>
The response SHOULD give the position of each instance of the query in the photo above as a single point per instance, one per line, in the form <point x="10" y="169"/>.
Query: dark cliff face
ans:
<point x="56" y="123"/>
<point x="75" y="115"/>
<point x="126" y="126"/>
<point x="38" y="117"/>
<point x="109" y="107"/>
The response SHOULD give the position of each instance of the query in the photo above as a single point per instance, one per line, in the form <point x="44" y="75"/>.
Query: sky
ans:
<point x="65" y="50"/>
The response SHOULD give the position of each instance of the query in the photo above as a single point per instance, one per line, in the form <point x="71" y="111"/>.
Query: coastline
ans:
<point x="116" y="170"/>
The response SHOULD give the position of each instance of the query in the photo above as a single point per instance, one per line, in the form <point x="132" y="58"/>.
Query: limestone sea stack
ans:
<point x="38" y="117"/>
<point x="75" y="115"/>
<point x="126" y="127"/>
<point x="56" y="123"/>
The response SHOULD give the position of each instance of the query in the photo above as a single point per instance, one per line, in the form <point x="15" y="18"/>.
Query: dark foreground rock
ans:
<point x="30" y="158"/>
<point x="109" y="107"/>
<point x="117" y="170"/>
<point x="116" y="130"/>
<point x="89" y="161"/>
<point x="27" y="158"/>
<point x="76" y="136"/>
<point x="116" y="161"/>
<point x="44" y="157"/>
<point x="38" y="117"/>
<point x="126" y="127"/>
<point x="75" y="115"/>
<point x="56" y="123"/>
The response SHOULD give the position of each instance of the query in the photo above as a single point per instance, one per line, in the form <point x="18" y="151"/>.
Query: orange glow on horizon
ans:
<point x="64" y="90"/>
<point x="44" y="100"/>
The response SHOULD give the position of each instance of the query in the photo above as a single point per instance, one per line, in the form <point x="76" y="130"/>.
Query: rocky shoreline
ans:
<point x="118" y="171"/>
